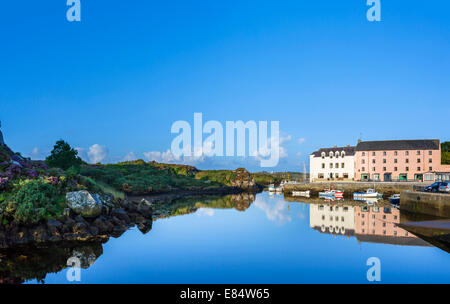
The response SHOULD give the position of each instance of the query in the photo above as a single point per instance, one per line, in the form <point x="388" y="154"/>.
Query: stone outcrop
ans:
<point x="84" y="203"/>
<point x="243" y="179"/>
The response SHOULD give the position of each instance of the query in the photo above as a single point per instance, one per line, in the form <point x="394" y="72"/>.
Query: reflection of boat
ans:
<point x="370" y="193"/>
<point x="368" y="200"/>
<point x="395" y="199"/>
<point x="332" y="193"/>
<point x="301" y="193"/>
<point x="272" y="188"/>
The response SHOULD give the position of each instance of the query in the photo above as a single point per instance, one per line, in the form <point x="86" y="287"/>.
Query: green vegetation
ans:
<point x="223" y="177"/>
<point x="445" y="150"/>
<point x="139" y="177"/>
<point x="265" y="178"/>
<point x="63" y="156"/>
<point x="31" y="201"/>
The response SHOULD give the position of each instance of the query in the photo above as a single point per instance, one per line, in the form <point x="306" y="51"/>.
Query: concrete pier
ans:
<point x="436" y="204"/>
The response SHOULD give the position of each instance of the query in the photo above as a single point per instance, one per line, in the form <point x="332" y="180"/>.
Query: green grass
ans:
<point x="145" y="177"/>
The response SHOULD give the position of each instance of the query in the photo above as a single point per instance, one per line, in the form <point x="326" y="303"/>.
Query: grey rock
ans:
<point x="2" y="142"/>
<point x="84" y="203"/>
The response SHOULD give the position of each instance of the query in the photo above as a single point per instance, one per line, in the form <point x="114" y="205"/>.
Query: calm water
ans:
<point x="262" y="239"/>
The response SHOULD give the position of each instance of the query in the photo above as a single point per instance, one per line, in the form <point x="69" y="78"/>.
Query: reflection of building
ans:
<point x="367" y="224"/>
<point x="333" y="219"/>
<point x="332" y="164"/>
<point x="379" y="225"/>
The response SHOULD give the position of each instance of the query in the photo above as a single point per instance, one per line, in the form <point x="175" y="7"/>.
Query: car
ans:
<point x="438" y="187"/>
<point x="444" y="187"/>
<point x="433" y="187"/>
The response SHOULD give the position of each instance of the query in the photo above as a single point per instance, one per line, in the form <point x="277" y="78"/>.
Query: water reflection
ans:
<point x="18" y="265"/>
<point x="275" y="209"/>
<point x="373" y="224"/>
<point x="275" y="219"/>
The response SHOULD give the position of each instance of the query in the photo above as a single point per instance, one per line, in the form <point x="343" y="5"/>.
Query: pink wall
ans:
<point x="368" y="166"/>
<point x="379" y="223"/>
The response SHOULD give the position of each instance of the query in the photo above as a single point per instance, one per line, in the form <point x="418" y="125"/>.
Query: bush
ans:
<point x="35" y="200"/>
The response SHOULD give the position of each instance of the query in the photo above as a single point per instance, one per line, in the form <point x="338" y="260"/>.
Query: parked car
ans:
<point x="444" y="187"/>
<point x="438" y="187"/>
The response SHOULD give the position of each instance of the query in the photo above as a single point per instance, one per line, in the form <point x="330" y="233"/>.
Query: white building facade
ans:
<point x="327" y="218"/>
<point x="332" y="164"/>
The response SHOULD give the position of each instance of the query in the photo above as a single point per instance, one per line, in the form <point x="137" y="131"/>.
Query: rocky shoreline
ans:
<point x="112" y="221"/>
<point x="97" y="220"/>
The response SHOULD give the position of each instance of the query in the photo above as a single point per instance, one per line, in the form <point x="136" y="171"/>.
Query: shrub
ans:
<point x="34" y="200"/>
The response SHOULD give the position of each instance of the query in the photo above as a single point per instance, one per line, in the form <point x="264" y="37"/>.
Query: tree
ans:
<point x="63" y="156"/>
<point x="445" y="148"/>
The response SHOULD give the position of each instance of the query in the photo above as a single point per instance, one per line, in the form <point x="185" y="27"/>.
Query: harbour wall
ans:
<point x="436" y="204"/>
<point x="349" y="188"/>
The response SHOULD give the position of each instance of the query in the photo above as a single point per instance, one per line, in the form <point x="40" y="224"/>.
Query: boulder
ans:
<point x="145" y="208"/>
<point x="84" y="203"/>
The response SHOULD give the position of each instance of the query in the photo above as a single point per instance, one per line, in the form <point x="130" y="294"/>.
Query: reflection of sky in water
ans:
<point x="205" y="212"/>
<point x="276" y="208"/>
<point x="267" y="243"/>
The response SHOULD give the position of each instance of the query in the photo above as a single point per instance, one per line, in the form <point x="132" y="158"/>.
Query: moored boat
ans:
<point x="301" y="193"/>
<point x="332" y="193"/>
<point x="395" y="199"/>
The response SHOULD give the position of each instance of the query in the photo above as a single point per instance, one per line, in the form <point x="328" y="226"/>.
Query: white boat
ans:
<point x="370" y="193"/>
<point x="301" y="193"/>
<point x="272" y="188"/>
<point x="332" y="193"/>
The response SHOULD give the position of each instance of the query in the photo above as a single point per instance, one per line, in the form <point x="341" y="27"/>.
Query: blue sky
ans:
<point x="115" y="82"/>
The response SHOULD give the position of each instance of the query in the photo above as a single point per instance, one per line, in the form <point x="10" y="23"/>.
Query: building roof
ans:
<point x="420" y="144"/>
<point x="349" y="151"/>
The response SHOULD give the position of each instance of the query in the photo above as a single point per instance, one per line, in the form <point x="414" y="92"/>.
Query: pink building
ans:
<point x="396" y="160"/>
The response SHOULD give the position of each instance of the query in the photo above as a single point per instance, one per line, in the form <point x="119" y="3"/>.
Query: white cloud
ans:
<point x="301" y="140"/>
<point x="36" y="153"/>
<point x="266" y="151"/>
<point x="130" y="157"/>
<point x="200" y="156"/>
<point x="97" y="153"/>
<point x="162" y="157"/>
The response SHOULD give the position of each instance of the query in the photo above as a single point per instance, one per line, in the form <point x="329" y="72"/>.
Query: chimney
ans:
<point x="335" y="146"/>
<point x="348" y="146"/>
<point x="359" y="140"/>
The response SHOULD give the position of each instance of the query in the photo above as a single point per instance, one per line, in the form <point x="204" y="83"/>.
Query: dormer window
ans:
<point x="323" y="154"/>
<point x="331" y="154"/>
<point x="343" y="153"/>
<point x="337" y="154"/>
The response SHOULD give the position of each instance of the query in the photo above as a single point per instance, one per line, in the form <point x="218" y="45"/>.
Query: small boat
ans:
<point x="332" y="193"/>
<point x="370" y="193"/>
<point x="279" y="189"/>
<point x="395" y="199"/>
<point x="301" y="193"/>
